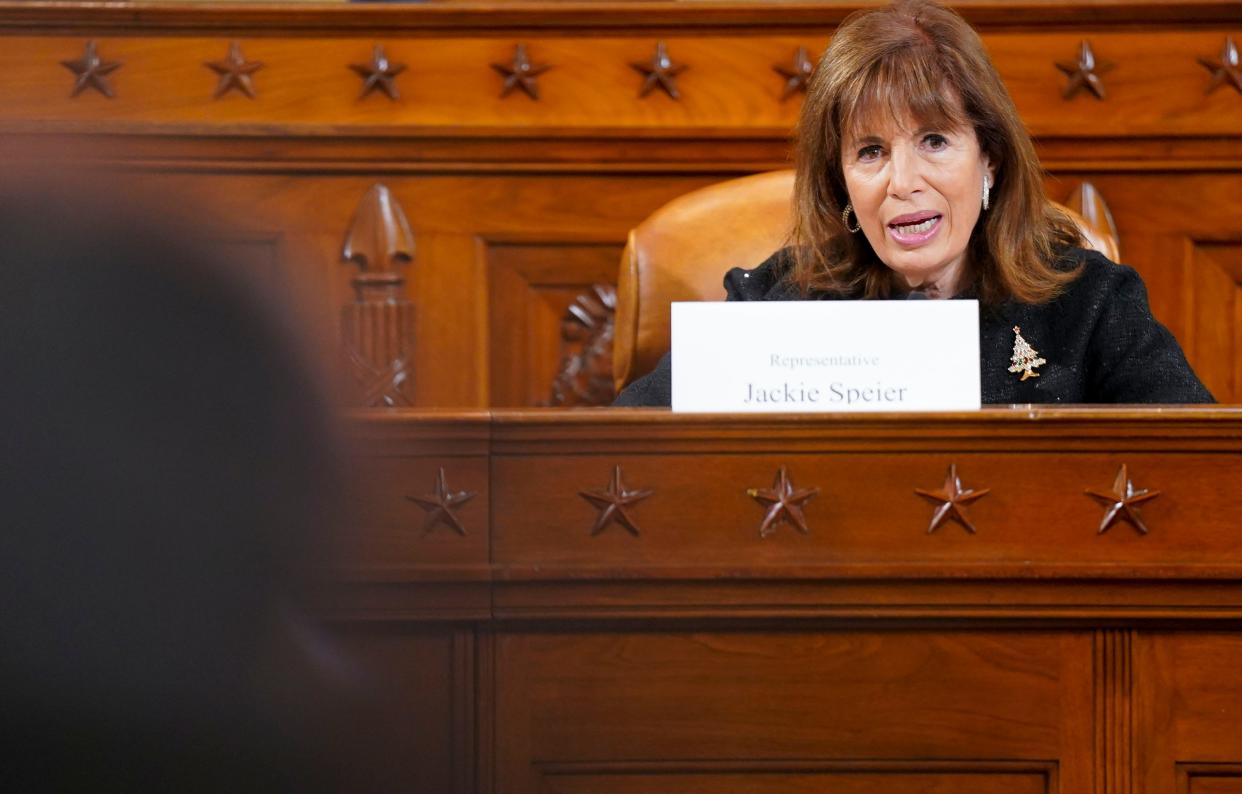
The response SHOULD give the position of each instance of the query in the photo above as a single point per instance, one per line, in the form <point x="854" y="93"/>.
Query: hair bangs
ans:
<point x="908" y="85"/>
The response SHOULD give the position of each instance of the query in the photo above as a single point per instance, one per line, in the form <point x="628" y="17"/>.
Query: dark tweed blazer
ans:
<point x="1099" y="339"/>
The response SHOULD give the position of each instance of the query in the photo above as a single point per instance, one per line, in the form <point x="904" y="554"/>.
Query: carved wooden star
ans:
<point x="521" y="73"/>
<point x="797" y="76"/>
<point x="1084" y="73"/>
<point x="380" y="74"/>
<point x="660" y="71"/>
<point x="1122" y="502"/>
<point x="783" y="503"/>
<point x="951" y="501"/>
<point x="92" y="72"/>
<point x="439" y="505"/>
<point x="235" y="72"/>
<point x="612" y="501"/>
<point x="1225" y="67"/>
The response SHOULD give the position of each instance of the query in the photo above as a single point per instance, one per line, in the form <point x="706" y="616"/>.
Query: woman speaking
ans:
<point x="916" y="178"/>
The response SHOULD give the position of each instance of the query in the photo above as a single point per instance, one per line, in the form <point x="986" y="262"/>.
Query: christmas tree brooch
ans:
<point x="1025" y="358"/>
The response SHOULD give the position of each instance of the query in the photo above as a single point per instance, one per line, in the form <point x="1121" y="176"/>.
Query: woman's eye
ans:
<point x="935" y="141"/>
<point x="869" y="152"/>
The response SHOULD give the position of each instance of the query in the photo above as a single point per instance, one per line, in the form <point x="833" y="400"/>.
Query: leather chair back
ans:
<point x="682" y="250"/>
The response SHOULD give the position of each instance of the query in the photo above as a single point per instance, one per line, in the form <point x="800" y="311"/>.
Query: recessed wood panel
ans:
<point x="1209" y="779"/>
<point x="531" y="285"/>
<point x="739" y="779"/>
<point x="1189" y="693"/>
<point x="413" y="682"/>
<point x="902" y="696"/>
<point x="1216" y="350"/>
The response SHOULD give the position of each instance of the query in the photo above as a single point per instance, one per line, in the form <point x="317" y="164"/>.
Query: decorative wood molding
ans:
<point x="376" y="328"/>
<point x="1122" y="502"/>
<point x="585" y="375"/>
<point x="951" y="501"/>
<point x="1084" y="73"/>
<point x="1113" y="677"/>
<point x="660" y="71"/>
<point x="439" y="505"/>
<point x="798" y="75"/>
<point x="612" y="502"/>
<point x="521" y="73"/>
<point x="385" y="19"/>
<point x="234" y="72"/>
<point x="379" y="75"/>
<point x="783" y="503"/>
<point x="1225" y="67"/>
<point x="92" y="72"/>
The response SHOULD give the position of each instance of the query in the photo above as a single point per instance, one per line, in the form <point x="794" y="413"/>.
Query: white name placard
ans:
<point x="826" y="356"/>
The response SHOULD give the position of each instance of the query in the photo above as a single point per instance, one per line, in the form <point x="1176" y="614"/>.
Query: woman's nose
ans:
<point x="904" y="176"/>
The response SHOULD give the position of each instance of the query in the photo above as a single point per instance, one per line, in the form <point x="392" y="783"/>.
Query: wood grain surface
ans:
<point x="864" y="656"/>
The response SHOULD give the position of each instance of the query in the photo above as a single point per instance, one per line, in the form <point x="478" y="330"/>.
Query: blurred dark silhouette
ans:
<point x="167" y="473"/>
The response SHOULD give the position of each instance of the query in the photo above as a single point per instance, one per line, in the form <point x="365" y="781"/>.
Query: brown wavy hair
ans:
<point x="917" y="59"/>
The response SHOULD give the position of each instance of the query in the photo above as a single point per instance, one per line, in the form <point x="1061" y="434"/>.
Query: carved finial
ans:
<point x="376" y="327"/>
<point x="1090" y="204"/>
<point x="379" y="237"/>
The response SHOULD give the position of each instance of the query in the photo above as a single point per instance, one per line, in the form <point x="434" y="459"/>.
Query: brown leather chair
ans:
<point x="682" y="250"/>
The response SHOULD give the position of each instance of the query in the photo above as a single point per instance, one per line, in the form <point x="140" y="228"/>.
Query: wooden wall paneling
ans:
<point x="394" y="532"/>
<point x="1180" y="231"/>
<point x="420" y="682"/>
<point x="658" y="666"/>
<point x="637" y="710"/>
<point x="1188" y="695"/>
<point x="420" y="504"/>
<point x="453" y="218"/>
<point x="1210" y="779"/>
<point x="1113" y="680"/>
<point x="1216" y="269"/>
<point x="801" y="778"/>
<point x="451" y="321"/>
<point x="866" y="512"/>
<point x="716" y="15"/>
<point x="485" y="709"/>
<point x="466" y="705"/>
<point x="531" y="286"/>
<point x="308" y="83"/>
<point x="1156" y="86"/>
<point x="589" y="157"/>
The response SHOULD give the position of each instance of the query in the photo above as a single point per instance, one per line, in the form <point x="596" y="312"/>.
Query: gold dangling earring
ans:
<point x="845" y="219"/>
<point x="987" y="186"/>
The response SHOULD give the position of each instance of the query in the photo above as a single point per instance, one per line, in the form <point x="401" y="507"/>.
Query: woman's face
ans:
<point x="918" y="194"/>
